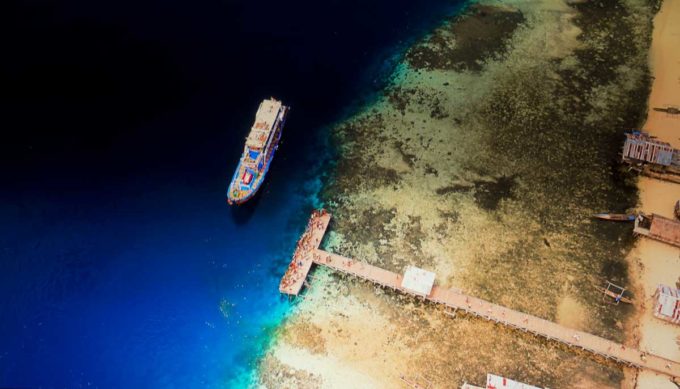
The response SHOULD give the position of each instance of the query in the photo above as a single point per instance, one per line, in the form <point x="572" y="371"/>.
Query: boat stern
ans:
<point x="244" y="185"/>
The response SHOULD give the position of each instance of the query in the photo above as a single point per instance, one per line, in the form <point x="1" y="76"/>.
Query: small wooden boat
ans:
<point x="614" y="295"/>
<point x="616" y="217"/>
<point x="677" y="209"/>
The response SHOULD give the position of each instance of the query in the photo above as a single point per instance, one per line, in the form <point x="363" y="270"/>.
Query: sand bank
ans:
<point x="655" y="262"/>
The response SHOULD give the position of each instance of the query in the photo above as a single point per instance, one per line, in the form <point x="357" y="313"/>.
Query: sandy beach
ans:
<point x="483" y="161"/>
<point x="654" y="262"/>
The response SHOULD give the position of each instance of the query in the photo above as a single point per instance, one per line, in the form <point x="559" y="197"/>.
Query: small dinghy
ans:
<point x="616" y="217"/>
<point x="617" y="295"/>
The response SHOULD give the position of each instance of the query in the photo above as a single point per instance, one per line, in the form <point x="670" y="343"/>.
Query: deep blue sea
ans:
<point x="121" y="266"/>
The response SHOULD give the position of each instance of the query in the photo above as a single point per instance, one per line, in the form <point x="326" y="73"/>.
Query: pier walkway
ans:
<point x="308" y="252"/>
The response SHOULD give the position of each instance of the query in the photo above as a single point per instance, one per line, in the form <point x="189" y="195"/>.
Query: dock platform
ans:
<point x="308" y="253"/>
<point x="294" y="279"/>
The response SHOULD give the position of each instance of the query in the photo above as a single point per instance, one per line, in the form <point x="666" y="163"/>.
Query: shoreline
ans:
<point x="653" y="262"/>
<point x="509" y="203"/>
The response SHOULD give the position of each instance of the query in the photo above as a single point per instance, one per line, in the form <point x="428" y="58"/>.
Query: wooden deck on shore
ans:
<point x="308" y="252"/>
<point x="661" y="228"/>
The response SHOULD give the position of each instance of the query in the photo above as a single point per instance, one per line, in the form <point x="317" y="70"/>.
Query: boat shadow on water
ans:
<point x="241" y="214"/>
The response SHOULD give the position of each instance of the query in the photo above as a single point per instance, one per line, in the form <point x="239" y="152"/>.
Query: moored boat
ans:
<point x="258" y="152"/>
<point x="617" y="297"/>
<point x="617" y="217"/>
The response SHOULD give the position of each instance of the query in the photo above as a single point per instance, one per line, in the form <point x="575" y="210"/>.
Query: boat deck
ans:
<point x="308" y="252"/>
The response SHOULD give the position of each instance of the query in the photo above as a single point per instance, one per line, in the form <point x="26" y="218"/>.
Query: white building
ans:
<point x="418" y="281"/>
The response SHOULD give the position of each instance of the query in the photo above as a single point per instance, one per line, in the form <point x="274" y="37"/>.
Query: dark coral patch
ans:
<point x="489" y="193"/>
<point x="479" y="34"/>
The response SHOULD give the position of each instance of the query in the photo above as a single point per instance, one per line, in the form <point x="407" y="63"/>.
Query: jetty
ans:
<point x="420" y="283"/>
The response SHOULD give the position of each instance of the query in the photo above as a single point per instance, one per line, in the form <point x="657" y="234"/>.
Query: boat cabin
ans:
<point x="260" y="137"/>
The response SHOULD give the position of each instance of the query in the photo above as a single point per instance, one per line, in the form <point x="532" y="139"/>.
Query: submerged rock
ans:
<point x="468" y="41"/>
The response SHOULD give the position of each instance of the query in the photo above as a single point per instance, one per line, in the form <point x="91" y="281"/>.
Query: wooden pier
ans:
<point x="299" y="267"/>
<point x="651" y="157"/>
<point x="308" y="253"/>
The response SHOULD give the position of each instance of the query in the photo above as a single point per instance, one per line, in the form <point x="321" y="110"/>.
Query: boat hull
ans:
<point x="258" y="176"/>
<point x="231" y="200"/>
<point x="616" y="217"/>
<point x="613" y="295"/>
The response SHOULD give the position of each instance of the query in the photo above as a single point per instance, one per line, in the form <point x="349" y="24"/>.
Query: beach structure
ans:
<point x="418" y="281"/>
<point x="667" y="304"/>
<point x="658" y="227"/>
<point x="497" y="382"/>
<point x="294" y="278"/>
<point x="640" y="147"/>
<point x="308" y="253"/>
<point x="651" y="156"/>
